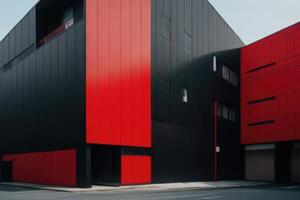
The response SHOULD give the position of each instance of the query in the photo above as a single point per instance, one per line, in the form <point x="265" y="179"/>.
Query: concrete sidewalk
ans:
<point x="150" y="187"/>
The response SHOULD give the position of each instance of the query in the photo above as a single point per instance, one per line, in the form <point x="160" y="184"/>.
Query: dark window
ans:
<point x="184" y="92"/>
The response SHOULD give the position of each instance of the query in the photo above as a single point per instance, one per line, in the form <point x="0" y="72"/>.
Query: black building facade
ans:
<point x="195" y="105"/>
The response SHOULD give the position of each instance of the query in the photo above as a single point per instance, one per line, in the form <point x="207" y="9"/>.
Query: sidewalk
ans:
<point x="150" y="187"/>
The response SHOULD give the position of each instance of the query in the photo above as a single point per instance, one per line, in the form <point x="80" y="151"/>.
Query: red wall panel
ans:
<point x="135" y="169"/>
<point x="118" y="72"/>
<point x="280" y="80"/>
<point x="51" y="168"/>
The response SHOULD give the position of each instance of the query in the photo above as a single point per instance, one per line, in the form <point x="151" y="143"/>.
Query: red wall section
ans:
<point x="281" y="80"/>
<point x="118" y="72"/>
<point x="51" y="168"/>
<point x="135" y="169"/>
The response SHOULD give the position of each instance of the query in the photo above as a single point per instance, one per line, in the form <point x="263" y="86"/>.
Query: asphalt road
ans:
<point x="252" y="193"/>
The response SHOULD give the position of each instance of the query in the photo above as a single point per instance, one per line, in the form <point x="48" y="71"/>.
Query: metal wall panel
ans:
<point x="43" y="98"/>
<point x="184" y="60"/>
<point x="54" y="167"/>
<point x="118" y="72"/>
<point x="21" y="37"/>
<point x="269" y="74"/>
<point x="25" y="32"/>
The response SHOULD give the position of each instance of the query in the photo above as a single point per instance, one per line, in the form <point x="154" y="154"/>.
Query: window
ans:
<point x="233" y="78"/>
<point x="219" y="110"/>
<point x="225" y="72"/>
<point x="214" y="63"/>
<point x="232" y="115"/>
<point x="225" y="112"/>
<point x="184" y="95"/>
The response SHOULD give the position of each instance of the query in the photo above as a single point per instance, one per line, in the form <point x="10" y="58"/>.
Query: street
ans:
<point x="289" y="192"/>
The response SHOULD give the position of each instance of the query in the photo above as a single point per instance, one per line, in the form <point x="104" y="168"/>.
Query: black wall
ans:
<point x="43" y="94"/>
<point x="18" y="39"/>
<point x="184" y="35"/>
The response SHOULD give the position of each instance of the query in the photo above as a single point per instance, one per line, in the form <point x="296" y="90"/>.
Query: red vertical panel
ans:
<point x="146" y="72"/>
<point x="122" y="114"/>
<point x="126" y="99"/>
<point x="51" y="168"/>
<point x="91" y="71"/>
<point x="103" y="72"/>
<point x="135" y="169"/>
<point x="136" y="70"/>
<point x="115" y="65"/>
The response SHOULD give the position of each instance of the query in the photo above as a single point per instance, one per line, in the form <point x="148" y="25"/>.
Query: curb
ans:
<point x="156" y="189"/>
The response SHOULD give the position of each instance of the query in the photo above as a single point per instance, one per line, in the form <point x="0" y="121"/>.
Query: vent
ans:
<point x="262" y="123"/>
<point x="260" y="68"/>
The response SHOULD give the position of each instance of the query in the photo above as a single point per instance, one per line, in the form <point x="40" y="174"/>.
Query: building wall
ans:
<point x="184" y="34"/>
<point x="52" y="168"/>
<point x="18" y="39"/>
<point x="118" y="65"/>
<point x="42" y="96"/>
<point x="270" y="72"/>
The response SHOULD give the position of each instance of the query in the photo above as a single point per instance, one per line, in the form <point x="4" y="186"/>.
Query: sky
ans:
<point x="250" y="19"/>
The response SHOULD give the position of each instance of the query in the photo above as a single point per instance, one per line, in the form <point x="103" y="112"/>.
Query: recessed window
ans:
<point x="214" y="63"/>
<point x="220" y="110"/>
<point x="184" y="92"/>
<point x="225" y="112"/>
<point x="225" y="72"/>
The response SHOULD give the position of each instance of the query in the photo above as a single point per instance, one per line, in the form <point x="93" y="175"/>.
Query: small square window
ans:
<point x="185" y="95"/>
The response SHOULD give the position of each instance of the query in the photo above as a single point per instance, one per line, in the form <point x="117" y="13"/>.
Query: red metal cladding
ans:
<point x="135" y="169"/>
<point x="270" y="89"/>
<point x="118" y="72"/>
<point x="51" y="168"/>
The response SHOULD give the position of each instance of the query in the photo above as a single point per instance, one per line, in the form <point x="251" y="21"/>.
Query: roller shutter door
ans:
<point x="260" y="164"/>
<point x="295" y="163"/>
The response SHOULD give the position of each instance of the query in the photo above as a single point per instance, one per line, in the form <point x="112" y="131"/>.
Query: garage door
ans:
<point x="260" y="163"/>
<point x="295" y="163"/>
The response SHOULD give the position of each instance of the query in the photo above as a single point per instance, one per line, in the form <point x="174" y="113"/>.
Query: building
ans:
<point x="270" y="112"/>
<point x="120" y="92"/>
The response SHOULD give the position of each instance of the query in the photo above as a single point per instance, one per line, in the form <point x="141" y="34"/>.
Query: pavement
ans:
<point x="263" y="192"/>
<point x="149" y="187"/>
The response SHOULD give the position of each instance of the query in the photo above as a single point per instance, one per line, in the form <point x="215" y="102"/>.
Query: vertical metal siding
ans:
<point x="118" y="72"/>
<point x="43" y="96"/>
<point x="184" y="131"/>
<point x="52" y="168"/>
<point x="279" y="80"/>
<point x="135" y="169"/>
